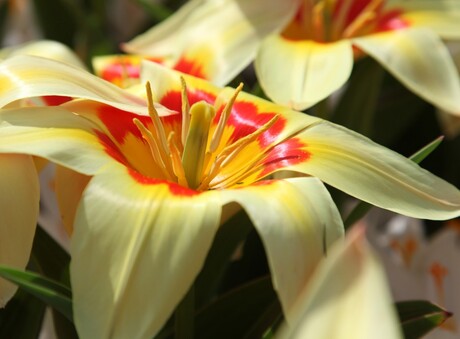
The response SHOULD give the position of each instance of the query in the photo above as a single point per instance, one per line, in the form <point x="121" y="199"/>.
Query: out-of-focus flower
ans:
<point x="347" y="297"/>
<point x="420" y="268"/>
<point x="156" y="180"/>
<point x="304" y="49"/>
<point x="124" y="70"/>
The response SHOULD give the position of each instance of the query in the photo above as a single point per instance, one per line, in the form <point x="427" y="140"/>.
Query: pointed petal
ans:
<point x="419" y="59"/>
<point x="296" y="228"/>
<point x="215" y="40"/>
<point x="300" y="73"/>
<point x="444" y="23"/>
<point x="361" y="168"/>
<point x="347" y="297"/>
<point x="150" y="239"/>
<point x="19" y="197"/>
<point x="54" y="134"/>
<point x="27" y="76"/>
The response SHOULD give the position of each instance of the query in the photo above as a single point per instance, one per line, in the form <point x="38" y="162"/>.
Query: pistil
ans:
<point x="197" y="138"/>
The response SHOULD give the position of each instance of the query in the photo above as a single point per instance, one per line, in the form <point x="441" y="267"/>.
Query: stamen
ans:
<point x="185" y="110"/>
<point x="230" y="152"/>
<point x="217" y="136"/>
<point x="150" y="139"/>
<point x="368" y="14"/>
<point x="157" y="125"/>
<point x="176" y="161"/>
<point x="340" y="20"/>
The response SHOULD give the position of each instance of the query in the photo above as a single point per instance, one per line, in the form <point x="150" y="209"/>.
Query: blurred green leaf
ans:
<point x="358" y="103"/>
<point x="52" y="293"/>
<point x="230" y="235"/>
<point x="157" y="11"/>
<point x="239" y="311"/>
<point x="59" y="19"/>
<point x="362" y="207"/>
<point x="22" y="317"/>
<point x="419" y="317"/>
<point x="52" y="261"/>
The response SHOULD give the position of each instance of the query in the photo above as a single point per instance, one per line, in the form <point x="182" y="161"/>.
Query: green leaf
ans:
<point x="229" y="236"/>
<point x="419" y="317"/>
<point x="52" y="261"/>
<point x="22" y="317"/>
<point x="58" y="19"/>
<point x="157" y="11"/>
<point x="358" y="103"/>
<point x="422" y="153"/>
<point x="237" y="313"/>
<point x="52" y="293"/>
<point x="363" y="207"/>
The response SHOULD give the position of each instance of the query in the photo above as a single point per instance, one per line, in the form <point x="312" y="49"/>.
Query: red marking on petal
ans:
<point x="110" y="148"/>
<point x="287" y="153"/>
<point x="119" y="70"/>
<point x="246" y="119"/>
<point x="190" y="67"/>
<point x="173" y="99"/>
<point x="54" y="100"/>
<point x="391" y="21"/>
<point x="125" y="67"/>
<point x="120" y="123"/>
<point x="174" y="188"/>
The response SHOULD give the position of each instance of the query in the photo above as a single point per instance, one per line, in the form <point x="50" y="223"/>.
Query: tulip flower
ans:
<point x="305" y="49"/>
<point x="155" y="171"/>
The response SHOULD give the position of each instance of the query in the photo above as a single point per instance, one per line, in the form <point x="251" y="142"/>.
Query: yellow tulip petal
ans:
<point x="297" y="222"/>
<point x="54" y="134"/>
<point x="28" y="76"/>
<point x="446" y="24"/>
<point x="137" y="246"/>
<point x="419" y="59"/>
<point x="361" y="168"/>
<point x="69" y="186"/>
<point x="348" y="297"/>
<point x="19" y="203"/>
<point x="46" y="49"/>
<point x="299" y="73"/>
<point x="217" y="38"/>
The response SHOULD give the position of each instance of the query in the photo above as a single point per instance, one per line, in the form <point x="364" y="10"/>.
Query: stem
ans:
<point x="185" y="316"/>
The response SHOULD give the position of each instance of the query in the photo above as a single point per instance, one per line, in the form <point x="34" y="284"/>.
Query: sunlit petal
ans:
<point x="296" y="229"/>
<point x="68" y="142"/>
<point x="347" y="298"/>
<point x="27" y="76"/>
<point x="301" y="73"/>
<point x="419" y="59"/>
<point x="361" y="168"/>
<point x="137" y="246"/>
<point x="19" y="197"/>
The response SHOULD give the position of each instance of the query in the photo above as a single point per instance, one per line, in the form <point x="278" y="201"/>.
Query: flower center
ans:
<point x="196" y="162"/>
<point x="332" y="20"/>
